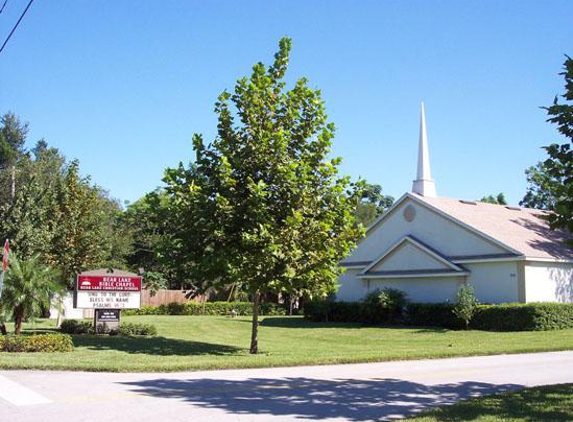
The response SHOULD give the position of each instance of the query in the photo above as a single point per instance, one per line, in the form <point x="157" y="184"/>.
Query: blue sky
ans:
<point x="122" y="85"/>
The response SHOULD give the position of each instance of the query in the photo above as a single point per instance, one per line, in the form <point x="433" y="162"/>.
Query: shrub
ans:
<point x="523" y="317"/>
<point x="317" y="310"/>
<point x="434" y="315"/>
<point x="384" y="305"/>
<point x="135" y="329"/>
<point x="45" y="343"/>
<point x="327" y="311"/>
<point x="207" y="308"/>
<point x="466" y="305"/>
<point x="74" y="326"/>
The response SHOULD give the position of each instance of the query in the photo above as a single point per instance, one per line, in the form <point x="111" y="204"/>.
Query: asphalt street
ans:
<point x="357" y="392"/>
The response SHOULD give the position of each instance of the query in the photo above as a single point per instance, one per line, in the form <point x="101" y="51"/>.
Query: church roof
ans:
<point x="522" y="229"/>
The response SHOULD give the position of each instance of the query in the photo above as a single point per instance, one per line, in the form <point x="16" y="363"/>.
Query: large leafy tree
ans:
<point x="498" y="199"/>
<point x="373" y="203"/>
<point x="13" y="134"/>
<point x="149" y="223"/>
<point x="263" y="205"/>
<point x="551" y="182"/>
<point x="78" y="241"/>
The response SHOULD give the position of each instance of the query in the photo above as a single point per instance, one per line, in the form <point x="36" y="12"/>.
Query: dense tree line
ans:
<point x="48" y="209"/>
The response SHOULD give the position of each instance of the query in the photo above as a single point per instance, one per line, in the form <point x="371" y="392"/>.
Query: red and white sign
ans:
<point x="110" y="283"/>
<point x="110" y="291"/>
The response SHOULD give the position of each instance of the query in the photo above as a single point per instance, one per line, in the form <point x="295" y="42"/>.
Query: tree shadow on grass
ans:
<point x="301" y="397"/>
<point x="153" y="345"/>
<point x="294" y="322"/>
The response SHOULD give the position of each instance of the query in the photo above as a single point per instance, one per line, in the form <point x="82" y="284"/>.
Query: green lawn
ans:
<point x="542" y="404"/>
<point x="209" y="342"/>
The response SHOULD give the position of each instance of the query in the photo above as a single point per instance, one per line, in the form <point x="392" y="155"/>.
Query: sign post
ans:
<point x="107" y="292"/>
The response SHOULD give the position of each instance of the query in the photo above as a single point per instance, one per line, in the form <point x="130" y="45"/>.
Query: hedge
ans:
<point x="74" y="326"/>
<point x="434" y="315"/>
<point x="135" y="329"/>
<point x="504" y="317"/>
<point x="523" y="317"/>
<point x="47" y="343"/>
<point x="207" y="308"/>
<point x="325" y="311"/>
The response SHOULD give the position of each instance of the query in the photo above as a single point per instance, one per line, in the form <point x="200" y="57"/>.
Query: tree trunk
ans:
<point x="255" y="328"/>
<point x="3" y="330"/>
<point x="13" y="185"/>
<point x="17" y="323"/>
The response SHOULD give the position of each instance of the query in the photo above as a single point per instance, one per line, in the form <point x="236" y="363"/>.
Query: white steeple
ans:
<point x="424" y="185"/>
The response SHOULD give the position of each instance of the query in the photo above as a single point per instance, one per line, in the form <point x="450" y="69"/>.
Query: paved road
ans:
<point x="360" y="392"/>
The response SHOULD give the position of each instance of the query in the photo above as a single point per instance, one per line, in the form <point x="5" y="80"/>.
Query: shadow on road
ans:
<point x="355" y="400"/>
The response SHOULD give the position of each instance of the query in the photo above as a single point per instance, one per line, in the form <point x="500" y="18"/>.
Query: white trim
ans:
<point x="420" y="275"/>
<point x="554" y="260"/>
<point x="417" y="244"/>
<point x="480" y="260"/>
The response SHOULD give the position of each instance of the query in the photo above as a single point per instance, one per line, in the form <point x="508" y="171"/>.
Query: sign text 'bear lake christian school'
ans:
<point x="107" y="291"/>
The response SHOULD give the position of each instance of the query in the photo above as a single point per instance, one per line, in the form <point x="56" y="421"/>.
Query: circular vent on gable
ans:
<point x="409" y="213"/>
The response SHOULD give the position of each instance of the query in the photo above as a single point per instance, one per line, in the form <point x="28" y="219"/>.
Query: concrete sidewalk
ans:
<point x="356" y="392"/>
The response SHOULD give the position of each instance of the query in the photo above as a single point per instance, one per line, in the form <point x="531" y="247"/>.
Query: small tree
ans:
<point x="263" y="205"/>
<point x="28" y="288"/>
<point x="466" y="303"/>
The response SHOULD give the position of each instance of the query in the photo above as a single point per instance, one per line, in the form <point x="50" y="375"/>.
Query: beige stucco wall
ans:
<point x="548" y="282"/>
<point x="494" y="282"/>
<point x="403" y="256"/>
<point x="429" y="227"/>
<point x="435" y="289"/>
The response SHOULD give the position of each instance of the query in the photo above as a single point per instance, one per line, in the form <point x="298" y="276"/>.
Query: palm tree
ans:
<point x="28" y="288"/>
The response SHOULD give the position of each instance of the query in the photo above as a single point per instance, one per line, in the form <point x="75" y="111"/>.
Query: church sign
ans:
<point x="107" y="291"/>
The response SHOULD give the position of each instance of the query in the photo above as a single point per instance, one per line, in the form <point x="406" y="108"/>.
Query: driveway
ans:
<point x="357" y="392"/>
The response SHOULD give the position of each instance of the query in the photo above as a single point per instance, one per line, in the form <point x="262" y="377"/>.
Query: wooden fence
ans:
<point x="163" y="297"/>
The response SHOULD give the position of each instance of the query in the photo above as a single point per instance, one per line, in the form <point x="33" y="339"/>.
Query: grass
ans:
<point x="217" y="342"/>
<point x="541" y="404"/>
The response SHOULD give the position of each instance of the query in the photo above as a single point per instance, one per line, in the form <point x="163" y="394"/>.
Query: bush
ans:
<point x="45" y="343"/>
<point x="433" y="315"/>
<point x="523" y="317"/>
<point x="135" y="329"/>
<point x="379" y="306"/>
<point x="384" y="306"/>
<point x="207" y="308"/>
<point x="74" y="326"/>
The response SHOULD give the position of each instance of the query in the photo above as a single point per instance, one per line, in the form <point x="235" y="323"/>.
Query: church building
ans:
<point x="425" y="246"/>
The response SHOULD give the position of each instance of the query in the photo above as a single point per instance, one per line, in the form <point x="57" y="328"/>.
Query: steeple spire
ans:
<point x="424" y="185"/>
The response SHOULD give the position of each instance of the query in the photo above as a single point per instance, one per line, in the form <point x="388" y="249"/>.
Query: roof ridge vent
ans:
<point x="463" y="201"/>
<point x="513" y="208"/>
